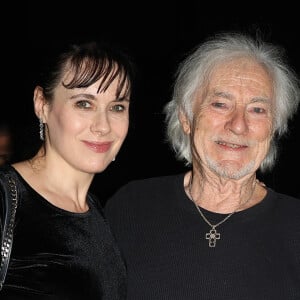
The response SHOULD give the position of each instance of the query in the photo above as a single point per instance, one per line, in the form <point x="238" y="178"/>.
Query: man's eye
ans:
<point x="218" y="104"/>
<point x="259" y="110"/>
<point x="83" y="104"/>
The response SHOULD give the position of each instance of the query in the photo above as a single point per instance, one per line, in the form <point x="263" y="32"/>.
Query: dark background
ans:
<point x="157" y="35"/>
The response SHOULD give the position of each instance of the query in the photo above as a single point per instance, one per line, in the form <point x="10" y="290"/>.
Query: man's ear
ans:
<point x="185" y="122"/>
<point x="39" y="103"/>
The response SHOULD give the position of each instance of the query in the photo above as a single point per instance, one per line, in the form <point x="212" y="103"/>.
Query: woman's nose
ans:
<point x="100" y="125"/>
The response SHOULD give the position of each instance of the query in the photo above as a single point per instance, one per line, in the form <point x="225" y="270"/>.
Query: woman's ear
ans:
<point x="185" y="122"/>
<point x="39" y="103"/>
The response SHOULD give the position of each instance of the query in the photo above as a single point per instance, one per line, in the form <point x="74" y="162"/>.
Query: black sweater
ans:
<point x="162" y="238"/>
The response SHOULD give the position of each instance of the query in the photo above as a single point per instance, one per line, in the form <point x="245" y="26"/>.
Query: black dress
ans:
<point x="58" y="254"/>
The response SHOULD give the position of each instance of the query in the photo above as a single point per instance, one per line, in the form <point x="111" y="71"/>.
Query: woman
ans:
<point x="62" y="245"/>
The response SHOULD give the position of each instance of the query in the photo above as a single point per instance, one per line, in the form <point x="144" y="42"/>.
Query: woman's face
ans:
<point x="85" y="128"/>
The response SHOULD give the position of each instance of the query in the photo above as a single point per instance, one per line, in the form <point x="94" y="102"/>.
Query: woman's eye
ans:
<point x="83" y="104"/>
<point x="118" y="108"/>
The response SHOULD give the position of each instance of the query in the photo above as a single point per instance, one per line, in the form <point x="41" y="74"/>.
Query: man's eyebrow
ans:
<point x="253" y="100"/>
<point x="261" y="99"/>
<point x="223" y="95"/>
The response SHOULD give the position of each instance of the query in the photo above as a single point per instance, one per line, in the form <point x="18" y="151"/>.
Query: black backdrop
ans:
<point x="157" y="38"/>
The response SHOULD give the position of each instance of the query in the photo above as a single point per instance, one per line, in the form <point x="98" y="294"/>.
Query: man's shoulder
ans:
<point x="285" y="201"/>
<point x="148" y="189"/>
<point x="153" y="182"/>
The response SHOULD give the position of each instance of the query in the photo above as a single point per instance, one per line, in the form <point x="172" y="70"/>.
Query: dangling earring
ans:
<point x="42" y="137"/>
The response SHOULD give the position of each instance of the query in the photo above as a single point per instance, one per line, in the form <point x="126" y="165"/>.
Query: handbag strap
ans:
<point x="9" y="203"/>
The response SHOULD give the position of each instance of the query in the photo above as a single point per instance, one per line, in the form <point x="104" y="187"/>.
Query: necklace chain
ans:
<point x="205" y="219"/>
<point x="213" y="235"/>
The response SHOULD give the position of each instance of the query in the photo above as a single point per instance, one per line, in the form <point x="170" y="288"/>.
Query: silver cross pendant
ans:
<point x="212" y="236"/>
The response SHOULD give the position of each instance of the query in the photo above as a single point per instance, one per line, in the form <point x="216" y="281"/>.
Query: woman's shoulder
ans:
<point x="7" y="172"/>
<point x="6" y="168"/>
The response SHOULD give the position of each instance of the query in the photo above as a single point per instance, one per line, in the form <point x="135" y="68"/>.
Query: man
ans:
<point x="216" y="232"/>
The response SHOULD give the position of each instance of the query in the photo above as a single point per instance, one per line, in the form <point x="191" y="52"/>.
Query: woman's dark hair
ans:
<point x="88" y="62"/>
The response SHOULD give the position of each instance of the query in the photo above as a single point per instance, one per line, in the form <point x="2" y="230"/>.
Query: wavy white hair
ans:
<point x="192" y="73"/>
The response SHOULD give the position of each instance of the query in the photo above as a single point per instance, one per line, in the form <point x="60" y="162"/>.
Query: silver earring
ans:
<point x="114" y="159"/>
<point x="42" y="137"/>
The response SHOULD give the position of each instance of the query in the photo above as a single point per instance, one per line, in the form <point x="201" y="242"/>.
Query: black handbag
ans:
<point x="9" y="202"/>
